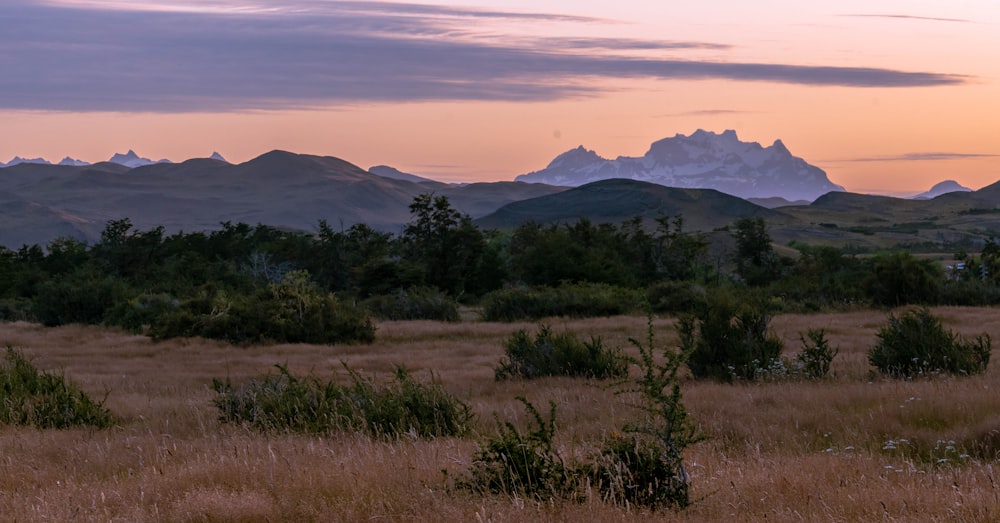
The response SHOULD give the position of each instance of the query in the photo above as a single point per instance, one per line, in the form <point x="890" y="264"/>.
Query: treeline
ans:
<point x="245" y="283"/>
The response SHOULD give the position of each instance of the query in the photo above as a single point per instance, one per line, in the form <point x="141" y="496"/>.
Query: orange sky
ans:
<point x="844" y="96"/>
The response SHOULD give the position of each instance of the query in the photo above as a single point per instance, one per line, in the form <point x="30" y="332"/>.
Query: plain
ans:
<point x="852" y="447"/>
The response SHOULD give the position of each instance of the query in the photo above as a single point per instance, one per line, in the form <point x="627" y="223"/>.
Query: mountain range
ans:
<point x="40" y="201"/>
<point x="704" y="160"/>
<point x="129" y="159"/>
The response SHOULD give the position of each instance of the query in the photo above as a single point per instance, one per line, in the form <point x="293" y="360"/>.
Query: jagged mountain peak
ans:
<point x="73" y="162"/>
<point x="18" y="160"/>
<point x="575" y="157"/>
<point x="704" y="159"/>
<point x="131" y="159"/>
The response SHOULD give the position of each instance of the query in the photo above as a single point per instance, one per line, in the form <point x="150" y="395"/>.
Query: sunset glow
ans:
<point x="889" y="97"/>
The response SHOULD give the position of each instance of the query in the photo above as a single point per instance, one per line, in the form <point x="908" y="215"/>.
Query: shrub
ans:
<point x="631" y="469"/>
<point x="292" y="311"/>
<point x="526" y="464"/>
<point x="549" y="354"/>
<point x="900" y="278"/>
<point x="675" y="297"/>
<point x="15" y="309"/>
<point x="970" y="293"/>
<point x="577" y="300"/>
<point x="285" y="402"/>
<point x="79" y="297"/>
<point x="137" y="314"/>
<point x="730" y="341"/>
<point x="648" y="468"/>
<point x="415" y="303"/>
<point x="43" y="400"/>
<point x="917" y="344"/>
<point x="816" y="355"/>
<point x="644" y="468"/>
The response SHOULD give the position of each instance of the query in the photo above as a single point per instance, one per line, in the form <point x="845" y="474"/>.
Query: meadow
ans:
<point x="852" y="447"/>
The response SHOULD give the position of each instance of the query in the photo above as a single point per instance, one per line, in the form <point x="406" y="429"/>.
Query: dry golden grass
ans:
<point x="785" y="451"/>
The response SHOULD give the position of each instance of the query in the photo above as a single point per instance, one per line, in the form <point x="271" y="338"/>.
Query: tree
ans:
<point x="444" y="243"/>
<point x="900" y="278"/>
<point x="756" y="262"/>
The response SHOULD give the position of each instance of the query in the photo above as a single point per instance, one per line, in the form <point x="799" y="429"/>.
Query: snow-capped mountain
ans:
<point x="704" y="160"/>
<point x="217" y="156"/>
<point x="17" y="159"/>
<point x="73" y="162"/>
<point x="130" y="159"/>
<point x="940" y="188"/>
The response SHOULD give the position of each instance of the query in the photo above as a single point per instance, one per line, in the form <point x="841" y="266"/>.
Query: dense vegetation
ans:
<point x="247" y="284"/>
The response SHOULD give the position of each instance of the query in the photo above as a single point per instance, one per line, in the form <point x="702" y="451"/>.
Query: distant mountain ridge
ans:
<point x="940" y="188"/>
<point x="704" y="160"/>
<point x="129" y="159"/>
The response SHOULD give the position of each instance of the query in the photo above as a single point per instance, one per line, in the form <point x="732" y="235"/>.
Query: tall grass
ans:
<point x="285" y="402"/>
<point x="775" y="451"/>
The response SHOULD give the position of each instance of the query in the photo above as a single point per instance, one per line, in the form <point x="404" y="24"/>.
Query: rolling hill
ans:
<point x="616" y="200"/>
<point x="279" y="188"/>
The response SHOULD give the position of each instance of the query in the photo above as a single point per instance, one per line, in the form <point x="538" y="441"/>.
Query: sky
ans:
<point x="889" y="97"/>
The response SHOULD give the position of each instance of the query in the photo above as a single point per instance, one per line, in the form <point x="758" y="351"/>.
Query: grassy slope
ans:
<point x="776" y="451"/>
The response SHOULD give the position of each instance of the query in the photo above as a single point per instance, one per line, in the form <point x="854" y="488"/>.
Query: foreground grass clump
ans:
<point x="43" y="400"/>
<point x="916" y="344"/>
<point x="524" y="463"/>
<point x="549" y="354"/>
<point x="285" y="402"/>
<point x="579" y="300"/>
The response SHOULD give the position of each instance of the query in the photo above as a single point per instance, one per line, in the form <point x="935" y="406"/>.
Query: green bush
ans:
<point x="632" y="470"/>
<point x="648" y="468"/>
<point x="15" y="309"/>
<point x="79" y="297"/>
<point x="675" y="297"/>
<point x="415" y="303"/>
<point x="900" y="278"/>
<point x="285" y="402"/>
<point x="139" y="313"/>
<point x="728" y="340"/>
<point x="578" y="300"/>
<point x="43" y="400"/>
<point x="644" y="468"/>
<point x="549" y="354"/>
<point x="970" y="293"/>
<point x="916" y="344"/>
<point x="516" y="463"/>
<point x="291" y="311"/>
<point x="816" y="355"/>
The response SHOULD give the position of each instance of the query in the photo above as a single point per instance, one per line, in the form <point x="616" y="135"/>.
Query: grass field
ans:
<point x="854" y="447"/>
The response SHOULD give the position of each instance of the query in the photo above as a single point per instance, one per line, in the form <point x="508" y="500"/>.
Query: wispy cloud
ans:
<point x="705" y="112"/>
<point x="108" y="55"/>
<point x="918" y="157"/>
<point x="910" y="17"/>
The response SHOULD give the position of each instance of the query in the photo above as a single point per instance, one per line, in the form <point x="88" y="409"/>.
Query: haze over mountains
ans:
<point x="40" y="201"/>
